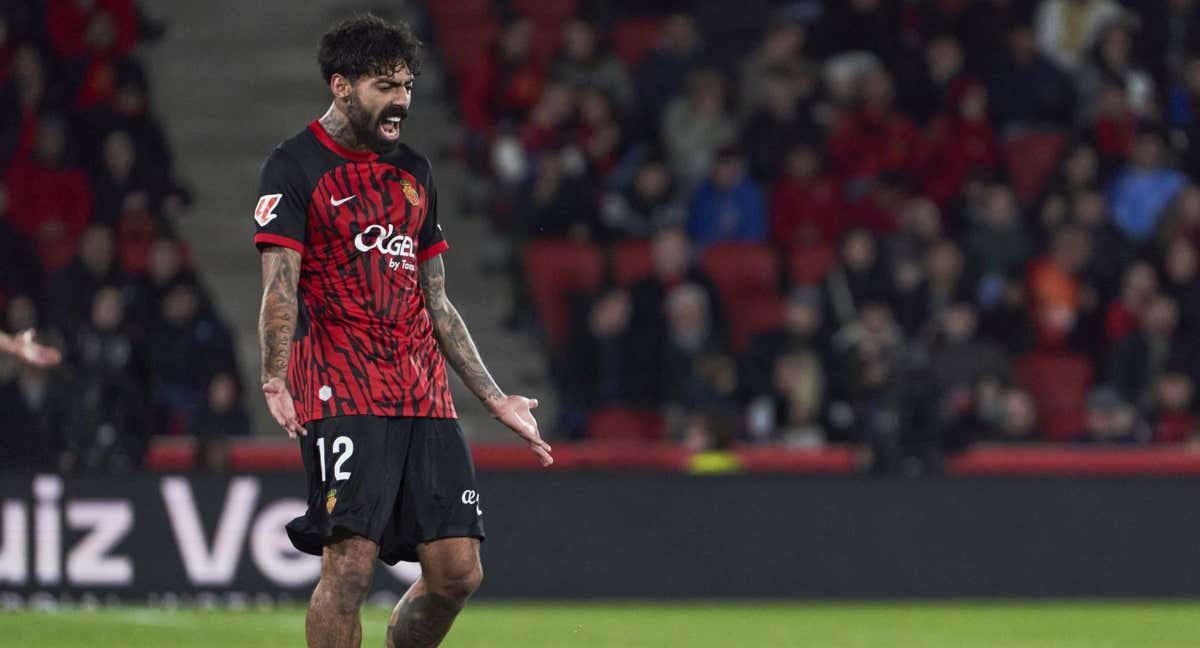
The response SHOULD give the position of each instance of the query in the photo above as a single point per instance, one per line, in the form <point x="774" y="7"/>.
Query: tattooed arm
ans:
<point x="459" y="349"/>
<point x="276" y="326"/>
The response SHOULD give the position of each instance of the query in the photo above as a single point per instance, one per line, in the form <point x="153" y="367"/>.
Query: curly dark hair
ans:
<point x="369" y="45"/>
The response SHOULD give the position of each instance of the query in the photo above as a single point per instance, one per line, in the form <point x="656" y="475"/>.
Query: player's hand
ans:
<point x="30" y="352"/>
<point x="513" y="411"/>
<point x="279" y="401"/>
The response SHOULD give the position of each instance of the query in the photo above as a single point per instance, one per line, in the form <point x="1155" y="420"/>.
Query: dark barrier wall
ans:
<point x="588" y="534"/>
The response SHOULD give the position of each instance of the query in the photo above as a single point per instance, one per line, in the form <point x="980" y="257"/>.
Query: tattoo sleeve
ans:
<point x="277" y="319"/>
<point x="452" y="335"/>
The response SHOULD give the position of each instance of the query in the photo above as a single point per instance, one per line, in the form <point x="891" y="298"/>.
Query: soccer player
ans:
<point x="356" y="330"/>
<point x="22" y="347"/>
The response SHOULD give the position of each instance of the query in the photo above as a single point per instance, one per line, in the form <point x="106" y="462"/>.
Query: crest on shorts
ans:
<point x="410" y="192"/>
<point x="330" y="500"/>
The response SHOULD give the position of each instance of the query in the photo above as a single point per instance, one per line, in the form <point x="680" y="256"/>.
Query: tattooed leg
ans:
<point x="333" y="613"/>
<point x="450" y="573"/>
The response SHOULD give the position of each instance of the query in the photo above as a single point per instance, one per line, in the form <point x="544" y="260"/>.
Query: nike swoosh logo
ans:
<point x="335" y="202"/>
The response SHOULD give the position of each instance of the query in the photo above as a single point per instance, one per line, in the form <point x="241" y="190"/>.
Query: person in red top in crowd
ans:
<point x="1115" y="125"/>
<point x="806" y="205"/>
<point x="49" y="201"/>
<point x="506" y="85"/>
<point x="875" y="138"/>
<point x="1055" y="291"/>
<point x="957" y="142"/>
<point x="1123" y="316"/>
<point x="75" y="26"/>
<point x="547" y="126"/>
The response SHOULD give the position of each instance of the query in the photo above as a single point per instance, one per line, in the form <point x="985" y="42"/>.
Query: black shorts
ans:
<point x="397" y="481"/>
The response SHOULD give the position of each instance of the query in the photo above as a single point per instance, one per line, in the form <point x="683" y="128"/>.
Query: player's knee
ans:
<point x="349" y="588"/>
<point x="458" y="583"/>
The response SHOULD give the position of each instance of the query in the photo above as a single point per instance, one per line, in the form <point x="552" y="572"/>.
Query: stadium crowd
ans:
<point x="907" y="224"/>
<point x="88" y="251"/>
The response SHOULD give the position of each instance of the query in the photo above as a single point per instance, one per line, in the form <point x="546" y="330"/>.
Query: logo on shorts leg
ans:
<point x="330" y="500"/>
<point x="470" y="497"/>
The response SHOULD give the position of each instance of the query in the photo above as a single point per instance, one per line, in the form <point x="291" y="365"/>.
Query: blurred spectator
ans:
<point x="802" y="329"/>
<point x="874" y="138"/>
<point x="866" y="25"/>
<point x="501" y="88"/>
<point x="781" y="52"/>
<point x="1111" y="420"/>
<point x="39" y="407"/>
<point x="928" y="89"/>
<point x="1056" y="294"/>
<point x="696" y="125"/>
<point x="20" y="269"/>
<point x="957" y="143"/>
<point x="49" y="200"/>
<point x="793" y="409"/>
<point x="557" y="204"/>
<point x="1066" y="29"/>
<point x="1112" y="63"/>
<point x="1115" y="126"/>
<point x="1028" y="90"/>
<point x="582" y="63"/>
<point x="185" y="346"/>
<point x="698" y="371"/>
<point x="1142" y="357"/>
<point x="222" y="414"/>
<point x="779" y="120"/>
<point x="113" y="434"/>
<point x="673" y="265"/>
<point x="73" y="288"/>
<point x="729" y="206"/>
<point x="603" y="367"/>
<point x="1016" y="417"/>
<point x="1123" y="315"/>
<point x="1142" y="191"/>
<point x="1174" y="419"/>
<point x="645" y="206"/>
<point x="859" y="277"/>
<point x="661" y="74"/>
<point x="997" y="242"/>
<point x="1181" y="282"/>
<point x="600" y="134"/>
<point x="806" y="205"/>
<point x="959" y="357"/>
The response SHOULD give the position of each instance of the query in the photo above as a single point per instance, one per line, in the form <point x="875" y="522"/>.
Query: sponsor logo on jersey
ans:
<point x="387" y="242"/>
<point x="264" y="212"/>
<point x="470" y="497"/>
<point x="410" y="192"/>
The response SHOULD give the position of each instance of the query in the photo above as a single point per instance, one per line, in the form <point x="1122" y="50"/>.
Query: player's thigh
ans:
<point x="351" y="556"/>
<point x="451" y="565"/>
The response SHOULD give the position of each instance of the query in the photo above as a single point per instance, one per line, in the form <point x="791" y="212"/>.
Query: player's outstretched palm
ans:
<point x="514" y="411"/>
<point x="283" y="408"/>
<point x="31" y="352"/>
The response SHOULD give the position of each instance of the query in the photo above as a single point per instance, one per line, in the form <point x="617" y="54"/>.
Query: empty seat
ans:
<point x="554" y="270"/>
<point x="631" y="261"/>
<point x="625" y="424"/>
<point x="1058" y="383"/>
<point x="1030" y="159"/>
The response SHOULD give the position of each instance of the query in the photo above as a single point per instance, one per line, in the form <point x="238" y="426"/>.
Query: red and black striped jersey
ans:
<point x="362" y="223"/>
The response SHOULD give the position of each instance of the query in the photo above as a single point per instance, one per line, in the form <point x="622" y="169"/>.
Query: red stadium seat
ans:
<point x="464" y="44"/>
<point x="808" y="264"/>
<point x="631" y="261"/>
<point x="459" y="10"/>
<point x="632" y="39"/>
<point x="1058" y="383"/>
<point x="625" y="424"/>
<point x="546" y="9"/>
<point x="753" y="316"/>
<point x="1031" y="158"/>
<point x="554" y="269"/>
<point x="742" y="270"/>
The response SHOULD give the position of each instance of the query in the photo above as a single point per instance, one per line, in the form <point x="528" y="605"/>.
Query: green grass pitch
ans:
<point x="630" y="625"/>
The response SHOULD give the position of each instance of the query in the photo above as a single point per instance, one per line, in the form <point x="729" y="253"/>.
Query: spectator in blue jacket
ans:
<point x="728" y="206"/>
<point x="1141" y="192"/>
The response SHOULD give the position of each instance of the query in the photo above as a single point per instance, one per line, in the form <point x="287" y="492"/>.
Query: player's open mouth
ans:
<point x="389" y="127"/>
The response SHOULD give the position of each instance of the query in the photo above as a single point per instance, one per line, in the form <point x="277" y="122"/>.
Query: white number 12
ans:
<point x="343" y="446"/>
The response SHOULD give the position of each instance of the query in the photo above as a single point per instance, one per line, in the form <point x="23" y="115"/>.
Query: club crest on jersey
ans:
<point x="330" y="500"/>
<point x="264" y="212"/>
<point x="410" y="192"/>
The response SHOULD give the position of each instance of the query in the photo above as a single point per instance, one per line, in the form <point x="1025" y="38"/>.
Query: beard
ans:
<point x="366" y="127"/>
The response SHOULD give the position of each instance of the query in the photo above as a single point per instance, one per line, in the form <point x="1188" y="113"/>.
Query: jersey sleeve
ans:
<point x="431" y="242"/>
<point x="281" y="215"/>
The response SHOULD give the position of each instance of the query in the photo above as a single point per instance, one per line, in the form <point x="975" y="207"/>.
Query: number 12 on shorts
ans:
<point x="343" y="447"/>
